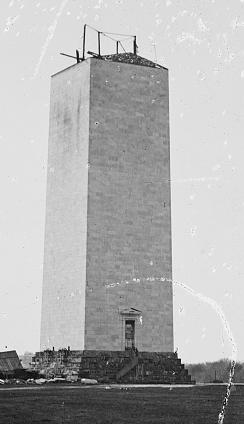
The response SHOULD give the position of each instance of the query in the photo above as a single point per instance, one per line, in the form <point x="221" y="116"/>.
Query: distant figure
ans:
<point x="135" y="350"/>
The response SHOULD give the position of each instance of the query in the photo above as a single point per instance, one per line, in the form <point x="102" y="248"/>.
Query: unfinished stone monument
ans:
<point x="107" y="262"/>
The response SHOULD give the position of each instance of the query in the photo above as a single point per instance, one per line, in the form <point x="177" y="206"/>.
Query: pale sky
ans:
<point x="201" y="42"/>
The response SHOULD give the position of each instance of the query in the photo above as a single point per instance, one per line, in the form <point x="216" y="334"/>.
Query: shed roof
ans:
<point x="9" y="361"/>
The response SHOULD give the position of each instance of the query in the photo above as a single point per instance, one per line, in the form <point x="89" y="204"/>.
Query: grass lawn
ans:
<point x="96" y="405"/>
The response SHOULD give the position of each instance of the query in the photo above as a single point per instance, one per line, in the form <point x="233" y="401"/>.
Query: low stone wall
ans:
<point x="114" y="366"/>
<point x="53" y="363"/>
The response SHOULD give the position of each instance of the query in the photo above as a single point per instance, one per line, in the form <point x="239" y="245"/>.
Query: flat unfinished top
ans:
<point x="132" y="59"/>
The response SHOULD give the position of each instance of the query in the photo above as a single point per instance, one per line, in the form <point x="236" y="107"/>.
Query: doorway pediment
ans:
<point x="132" y="312"/>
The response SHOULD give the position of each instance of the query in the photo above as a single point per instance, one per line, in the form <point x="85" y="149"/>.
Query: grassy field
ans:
<point x="96" y="405"/>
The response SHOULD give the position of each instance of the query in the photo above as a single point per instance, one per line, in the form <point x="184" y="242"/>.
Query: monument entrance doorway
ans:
<point x="129" y="334"/>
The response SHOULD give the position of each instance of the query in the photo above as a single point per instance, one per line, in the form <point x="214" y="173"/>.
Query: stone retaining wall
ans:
<point x="104" y="366"/>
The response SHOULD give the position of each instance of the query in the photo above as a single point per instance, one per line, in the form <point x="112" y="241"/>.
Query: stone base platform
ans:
<point x="127" y="366"/>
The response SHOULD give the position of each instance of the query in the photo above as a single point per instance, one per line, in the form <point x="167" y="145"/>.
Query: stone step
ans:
<point x="128" y="367"/>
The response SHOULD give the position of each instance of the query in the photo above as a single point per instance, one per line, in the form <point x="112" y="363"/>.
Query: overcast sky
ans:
<point x="201" y="42"/>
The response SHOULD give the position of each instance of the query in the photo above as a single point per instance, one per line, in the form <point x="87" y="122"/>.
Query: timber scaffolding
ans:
<point x="127" y="366"/>
<point x="118" y="43"/>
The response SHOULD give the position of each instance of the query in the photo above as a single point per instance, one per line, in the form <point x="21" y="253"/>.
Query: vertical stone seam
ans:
<point x="87" y="204"/>
<point x="170" y="188"/>
<point x="45" y="222"/>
